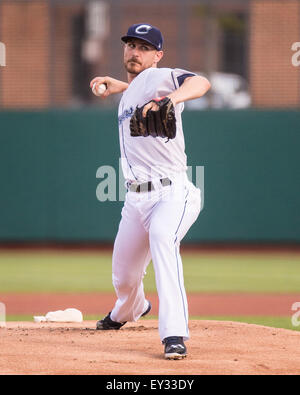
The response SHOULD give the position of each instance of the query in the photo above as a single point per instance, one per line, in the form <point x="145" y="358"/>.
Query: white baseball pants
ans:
<point x="152" y="226"/>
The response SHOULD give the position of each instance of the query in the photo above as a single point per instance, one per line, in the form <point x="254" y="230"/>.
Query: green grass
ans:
<point x="55" y="272"/>
<point x="37" y="271"/>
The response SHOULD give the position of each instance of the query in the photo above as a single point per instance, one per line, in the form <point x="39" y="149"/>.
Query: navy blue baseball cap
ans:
<point x="146" y="32"/>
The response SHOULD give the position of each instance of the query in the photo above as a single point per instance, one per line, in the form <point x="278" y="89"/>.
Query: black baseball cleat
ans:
<point x="148" y="309"/>
<point x="108" y="324"/>
<point x="174" y="347"/>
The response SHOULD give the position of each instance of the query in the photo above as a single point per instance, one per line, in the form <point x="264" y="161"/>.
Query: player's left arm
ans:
<point x="192" y="88"/>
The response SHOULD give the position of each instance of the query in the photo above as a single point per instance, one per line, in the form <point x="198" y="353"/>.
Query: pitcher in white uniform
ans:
<point x="161" y="203"/>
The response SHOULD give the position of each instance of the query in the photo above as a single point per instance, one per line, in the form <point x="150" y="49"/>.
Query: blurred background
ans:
<point x="55" y="47"/>
<point x="55" y="135"/>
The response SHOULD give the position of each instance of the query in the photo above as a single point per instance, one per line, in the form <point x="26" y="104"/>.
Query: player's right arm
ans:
<point x="113" y="85"/>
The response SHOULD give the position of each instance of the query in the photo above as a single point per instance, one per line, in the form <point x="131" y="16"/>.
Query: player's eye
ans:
<point x="145" y="48"/>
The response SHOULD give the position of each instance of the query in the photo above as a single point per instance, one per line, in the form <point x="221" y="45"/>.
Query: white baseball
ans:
<point x="98" y="91"/>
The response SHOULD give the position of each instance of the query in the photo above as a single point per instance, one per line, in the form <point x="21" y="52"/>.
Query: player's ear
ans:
<point x="158" y="56"/>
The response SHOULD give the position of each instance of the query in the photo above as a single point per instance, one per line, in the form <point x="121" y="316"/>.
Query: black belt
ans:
<point x="148" y="186"/>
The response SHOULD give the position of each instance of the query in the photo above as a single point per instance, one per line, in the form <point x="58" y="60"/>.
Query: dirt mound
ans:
<point x="214" y="348"/>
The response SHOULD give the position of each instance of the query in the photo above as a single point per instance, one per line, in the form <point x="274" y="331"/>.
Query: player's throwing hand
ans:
<point x="112" y="86"/>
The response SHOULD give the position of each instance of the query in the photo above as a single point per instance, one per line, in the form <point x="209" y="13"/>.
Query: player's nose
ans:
<point x="134" y="56"/>
<point x="135" y="52"/>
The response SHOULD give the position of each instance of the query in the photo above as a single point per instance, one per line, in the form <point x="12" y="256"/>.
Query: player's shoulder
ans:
<point x="154" y="76"/>
<point x="157" y="71"/>
<point x="165" y="70"/>
<point x="163" y="78"/>
<point x="166" y="73"/>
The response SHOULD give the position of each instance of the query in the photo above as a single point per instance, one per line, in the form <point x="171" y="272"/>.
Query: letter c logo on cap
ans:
<point x="143" y="29"/>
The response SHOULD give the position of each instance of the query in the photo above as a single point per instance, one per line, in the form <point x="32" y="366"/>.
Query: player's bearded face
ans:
<point x="139" y="56"/>
<point x="134" y="65"/>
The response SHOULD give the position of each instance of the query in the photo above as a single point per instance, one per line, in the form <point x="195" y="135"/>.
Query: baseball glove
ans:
<point x="160" y="123"/>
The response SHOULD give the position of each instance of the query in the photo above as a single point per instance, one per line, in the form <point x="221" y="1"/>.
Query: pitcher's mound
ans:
<point x="215" y="347"/>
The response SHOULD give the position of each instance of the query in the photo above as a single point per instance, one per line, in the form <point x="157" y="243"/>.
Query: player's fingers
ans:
<point x="153" y="106"/>
<point x="95" y="87"/>
<point x="145" y="110"/>
<point x="150" y="106"/>
<point x="92" y="82"/>
<point x="105" y="93"/>
<point x="98" y="80"/>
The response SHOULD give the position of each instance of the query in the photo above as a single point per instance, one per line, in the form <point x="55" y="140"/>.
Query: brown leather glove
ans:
<point x="160" y="123"/>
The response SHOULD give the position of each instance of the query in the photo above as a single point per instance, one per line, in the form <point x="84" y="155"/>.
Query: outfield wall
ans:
<point x="49" y="162"/>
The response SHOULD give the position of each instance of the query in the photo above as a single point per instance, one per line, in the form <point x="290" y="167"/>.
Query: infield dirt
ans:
<point x="200" y="304"/>
<point x="215" y="347"/>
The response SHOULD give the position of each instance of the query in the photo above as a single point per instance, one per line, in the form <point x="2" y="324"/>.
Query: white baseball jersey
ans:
<point x="146" y="158"/>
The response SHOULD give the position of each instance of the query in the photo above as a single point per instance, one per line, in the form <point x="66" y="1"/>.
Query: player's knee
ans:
<point x="127" y="283"/>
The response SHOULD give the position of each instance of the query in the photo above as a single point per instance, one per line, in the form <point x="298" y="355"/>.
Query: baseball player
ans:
<point x="161" y="203"/>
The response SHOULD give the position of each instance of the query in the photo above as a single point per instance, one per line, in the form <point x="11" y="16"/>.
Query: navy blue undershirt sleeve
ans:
<point x="182" y="77"/>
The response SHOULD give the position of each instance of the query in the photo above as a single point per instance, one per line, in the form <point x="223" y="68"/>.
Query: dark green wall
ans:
<point x="49" y="162"/>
